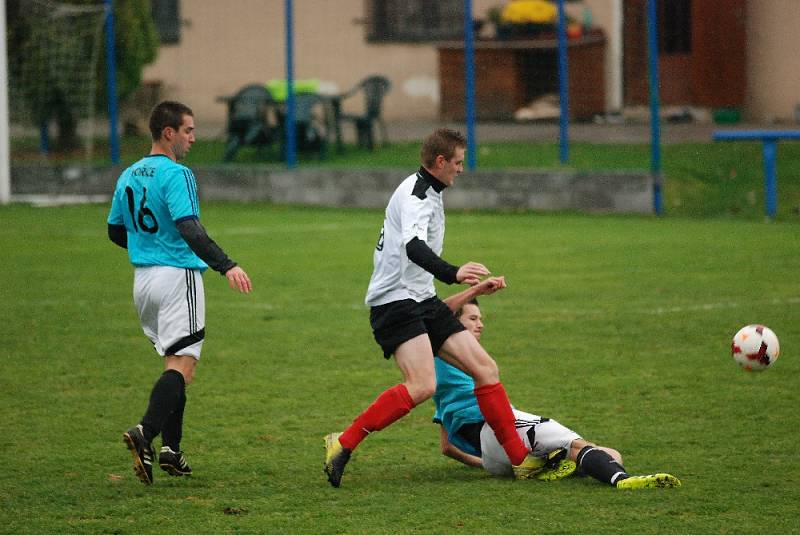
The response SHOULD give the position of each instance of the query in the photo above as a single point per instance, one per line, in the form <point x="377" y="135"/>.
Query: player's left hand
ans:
<point x="238" y="280"/>
<point x="471" y="273"/>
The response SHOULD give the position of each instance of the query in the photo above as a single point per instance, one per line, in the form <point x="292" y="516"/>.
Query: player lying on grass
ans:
<point x="466" y="438"/>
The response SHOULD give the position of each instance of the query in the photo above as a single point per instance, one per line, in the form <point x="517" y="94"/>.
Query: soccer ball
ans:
<point x="755" y="348"/>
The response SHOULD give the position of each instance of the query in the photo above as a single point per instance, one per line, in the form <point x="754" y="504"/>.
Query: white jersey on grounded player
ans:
<point x="415" y="210"/>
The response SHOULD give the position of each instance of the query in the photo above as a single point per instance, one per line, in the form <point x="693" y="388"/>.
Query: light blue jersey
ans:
<point x="456" y="404"/>
<point x="151" y="197"/>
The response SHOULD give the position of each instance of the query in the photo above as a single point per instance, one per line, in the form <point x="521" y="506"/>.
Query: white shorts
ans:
<point x="172" y="308"/>
<point x="549" y="435"/>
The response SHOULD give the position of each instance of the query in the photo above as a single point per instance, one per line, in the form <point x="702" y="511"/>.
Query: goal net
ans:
<point x="52" y="74"/>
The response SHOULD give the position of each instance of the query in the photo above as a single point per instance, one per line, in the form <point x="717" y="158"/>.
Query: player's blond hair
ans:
<point x="442" y="141"/>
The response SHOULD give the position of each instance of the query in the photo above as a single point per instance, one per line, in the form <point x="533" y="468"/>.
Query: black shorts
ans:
<point x="400" y="321"/>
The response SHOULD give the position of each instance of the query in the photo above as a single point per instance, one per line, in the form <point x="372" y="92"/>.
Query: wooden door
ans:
<point x="718" y="68"/>
<point x="701" y="52"/>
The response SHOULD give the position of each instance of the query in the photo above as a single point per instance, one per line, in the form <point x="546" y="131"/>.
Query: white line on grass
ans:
<point x="294" y="227"/>
<point x="85" y="303"/>
<point x="713" y="306"/>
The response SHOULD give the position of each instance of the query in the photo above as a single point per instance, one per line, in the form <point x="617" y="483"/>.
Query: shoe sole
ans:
<point x="564" y="469"/>
<point x="334" y="477"/>
<point x="174" y="471"/>
<point x="138" y="465"/>
<point x="658" y="481"/>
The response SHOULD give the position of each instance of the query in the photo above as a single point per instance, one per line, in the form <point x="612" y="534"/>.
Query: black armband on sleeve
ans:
<point x="118" y="235"/>
<point x="203" y="246"/>
<point x="422" y="255"/>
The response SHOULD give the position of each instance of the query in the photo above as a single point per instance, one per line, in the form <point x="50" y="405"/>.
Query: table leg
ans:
<point x="337" y="125"/>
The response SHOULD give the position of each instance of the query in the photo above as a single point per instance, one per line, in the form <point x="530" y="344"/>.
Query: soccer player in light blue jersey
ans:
<point x="465" y="437"/>
<point x="155" y="215"/>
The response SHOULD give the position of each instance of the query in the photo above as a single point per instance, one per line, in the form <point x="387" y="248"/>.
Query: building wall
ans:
<point x="225" y="45"/>
<point x="773" y="83"/>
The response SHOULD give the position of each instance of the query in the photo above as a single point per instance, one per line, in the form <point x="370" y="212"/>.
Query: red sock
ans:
<point x="389" y="407"/>
<point x="496" y="409"/>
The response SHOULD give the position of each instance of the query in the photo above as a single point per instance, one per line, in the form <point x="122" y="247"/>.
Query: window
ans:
<point x="166" y="16"/>
<point x="676" y="26"/>
<point x="415" y="20"/>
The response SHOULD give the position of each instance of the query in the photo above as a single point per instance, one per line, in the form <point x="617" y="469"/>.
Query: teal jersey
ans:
<point x="152" y="196"/>
<point x="456" y="404"/>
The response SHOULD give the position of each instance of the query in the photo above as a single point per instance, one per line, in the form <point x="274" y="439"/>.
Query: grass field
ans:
<point x="619" y="327"/>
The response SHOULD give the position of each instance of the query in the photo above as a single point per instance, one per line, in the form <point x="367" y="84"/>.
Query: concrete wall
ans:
<point x="623" y="192"/>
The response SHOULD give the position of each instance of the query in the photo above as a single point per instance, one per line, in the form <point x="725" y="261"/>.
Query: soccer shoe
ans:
<point x="653" y="481"/>
<point x="142" y="453"/>
<point x="336" y="458"/>
<point x="562" y="469"/>
<point x="173" y="462"/>
<point x="529" y="467"/>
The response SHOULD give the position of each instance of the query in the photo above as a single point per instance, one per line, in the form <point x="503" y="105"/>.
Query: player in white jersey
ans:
<point x="409" y="321"/>
<point x="155" y="215"/>
<point x="465" y="437"/>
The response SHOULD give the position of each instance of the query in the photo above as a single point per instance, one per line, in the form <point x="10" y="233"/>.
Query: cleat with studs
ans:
<point x="336" y="458"/>
<point x="142" y="453"/>
<point x="173" y="462"/>
<point x="653" y="481"/>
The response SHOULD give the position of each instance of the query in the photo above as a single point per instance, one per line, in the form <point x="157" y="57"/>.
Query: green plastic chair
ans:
<point x="374" y="87"/>
<point x="249" y="122"/>
<point x="310" y="131"/>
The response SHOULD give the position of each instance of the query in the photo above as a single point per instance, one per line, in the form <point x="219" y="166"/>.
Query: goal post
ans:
<point x="5" y="149"/>
<point x="52" y="70"/>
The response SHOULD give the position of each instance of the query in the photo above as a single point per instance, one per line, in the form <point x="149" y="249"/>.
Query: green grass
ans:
<point x="701" y="179"/>
<point x="619" y="327"/>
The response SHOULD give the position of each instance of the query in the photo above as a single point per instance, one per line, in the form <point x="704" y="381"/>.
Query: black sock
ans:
<point x="600" y="465"/>
<point x="164" y="399"/>
<point x="172" y="431"/>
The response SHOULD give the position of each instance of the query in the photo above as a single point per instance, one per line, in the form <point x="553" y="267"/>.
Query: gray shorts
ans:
<point x="549" y="435"/>
<point x="172" y="308"/>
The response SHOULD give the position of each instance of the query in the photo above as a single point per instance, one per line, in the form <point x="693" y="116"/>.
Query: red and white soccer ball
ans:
<point x="755" y="348"/>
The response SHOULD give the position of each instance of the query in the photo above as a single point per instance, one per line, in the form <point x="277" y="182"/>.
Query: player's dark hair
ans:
<point x="167" y="113"/>
<point x="442" y="141"/>
<point x="473" y="301"/>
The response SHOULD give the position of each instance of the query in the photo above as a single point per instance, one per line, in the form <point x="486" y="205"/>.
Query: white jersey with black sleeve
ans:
<point x="415" y="210"/>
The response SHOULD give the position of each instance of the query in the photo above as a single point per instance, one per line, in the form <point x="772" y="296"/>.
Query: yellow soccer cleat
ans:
<point x="529" y="467"/>
<point x="653" y="481"/>
<point x="336" y="458"/>
<point x="564" y="468"/>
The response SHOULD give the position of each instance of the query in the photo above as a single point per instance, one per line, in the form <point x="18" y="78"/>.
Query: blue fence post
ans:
<point x="769" y="141"/>
<point x="291" y="136"/>
<point x="563" y="85"/>
<point x="655" y="119"/>
<point x="469" y="83"/>
<point x="111" y="83"/>
<point x="770" y="177"/>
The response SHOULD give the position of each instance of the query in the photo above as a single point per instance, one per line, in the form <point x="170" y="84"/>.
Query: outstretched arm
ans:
<point x="485" y="287"/>
<point x="422" y="255"/>
<point x="207" y="249"/>
<point x="454" y="453"/>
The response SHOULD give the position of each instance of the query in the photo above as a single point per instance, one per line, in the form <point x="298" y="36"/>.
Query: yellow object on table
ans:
<point x="278" y="88"/>
<point x="529" y="12"/>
